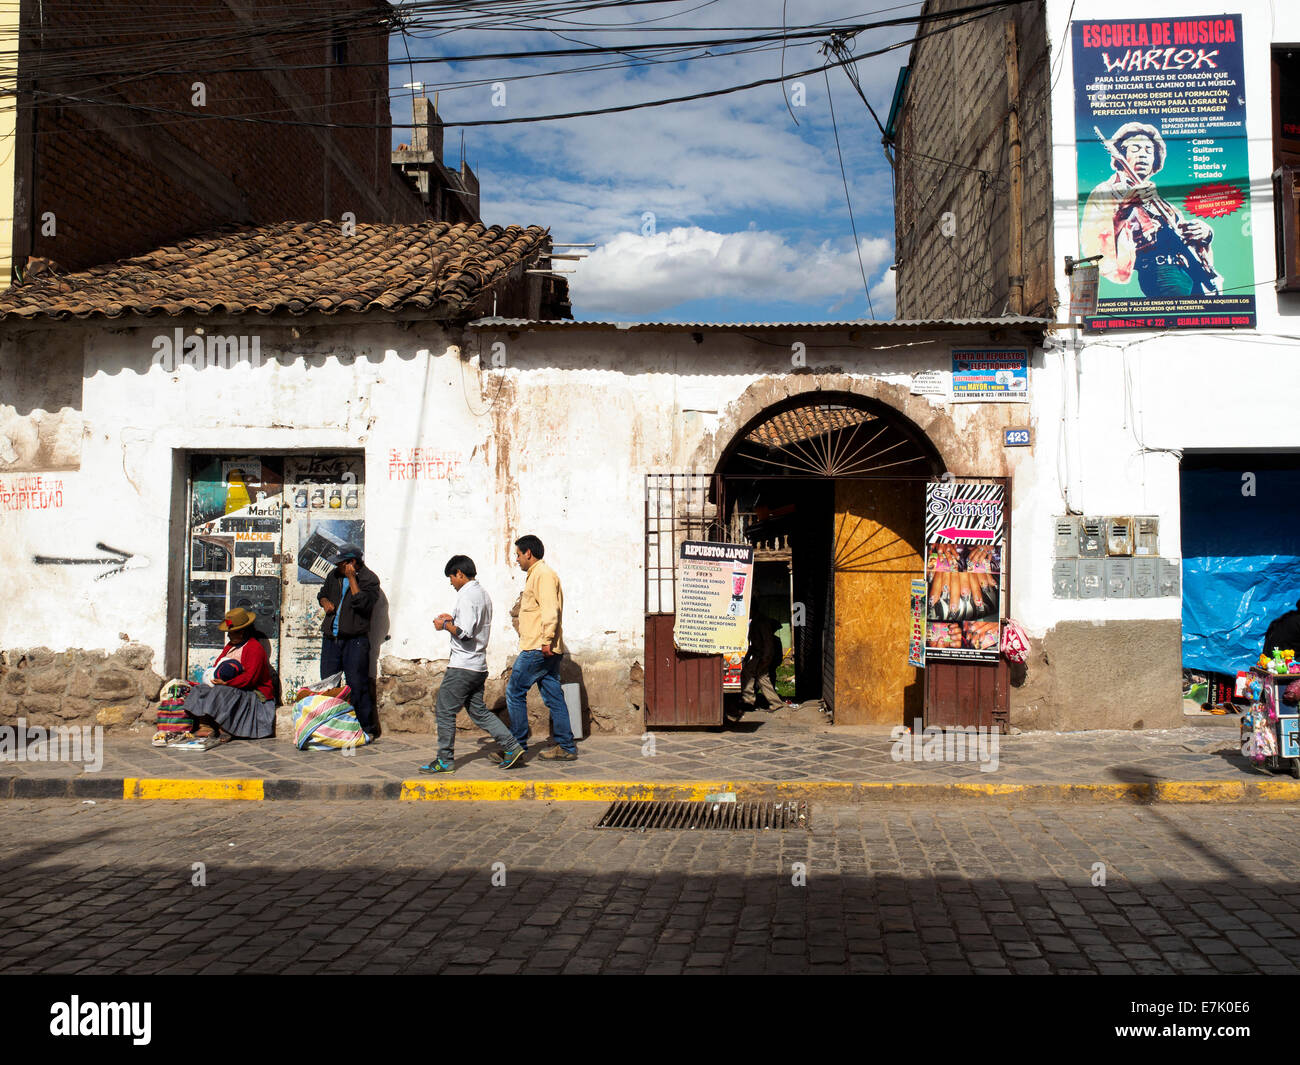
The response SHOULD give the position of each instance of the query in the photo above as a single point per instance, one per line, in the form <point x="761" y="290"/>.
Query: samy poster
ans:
<point x="1164" y="189"/>
<point x="964" y="548"/>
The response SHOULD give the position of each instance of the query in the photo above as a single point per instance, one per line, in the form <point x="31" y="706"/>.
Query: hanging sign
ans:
<point x="713" y="592"/>
<point x="1164" y="181"/>
<point x="916" y="642"/>
<point x="964" y="540"/>
<point x="990" y="375"/>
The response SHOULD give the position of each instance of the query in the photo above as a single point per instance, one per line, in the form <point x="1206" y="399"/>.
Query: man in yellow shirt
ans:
<point x="541" y="646"/>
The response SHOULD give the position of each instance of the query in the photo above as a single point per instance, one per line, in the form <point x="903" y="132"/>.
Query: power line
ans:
<point x="857" y="245"/>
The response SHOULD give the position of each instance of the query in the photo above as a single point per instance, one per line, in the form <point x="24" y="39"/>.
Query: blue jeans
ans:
<point x="464" y="688"/>
<point x="352" y="656"/>
<point x="533" y="667"/>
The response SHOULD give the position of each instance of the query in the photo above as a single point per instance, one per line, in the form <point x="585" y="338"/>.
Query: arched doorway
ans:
<point x="829" y="487"/>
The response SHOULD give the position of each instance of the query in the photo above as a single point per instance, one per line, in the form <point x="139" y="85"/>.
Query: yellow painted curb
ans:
<point x="1200" y="790"/>
<point x="622" y="790"/>
<point x="464" y="790"/>
<point x="136" y="788"/>
<point x="1277" y="790"/>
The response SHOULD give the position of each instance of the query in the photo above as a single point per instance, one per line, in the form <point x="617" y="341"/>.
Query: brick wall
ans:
<point x="953" y="191"/>
<point x="120" y="180"/>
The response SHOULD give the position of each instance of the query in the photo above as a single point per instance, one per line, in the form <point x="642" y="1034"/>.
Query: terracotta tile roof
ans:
<point x="293" y="267"/>
<point x="803" y="423"/>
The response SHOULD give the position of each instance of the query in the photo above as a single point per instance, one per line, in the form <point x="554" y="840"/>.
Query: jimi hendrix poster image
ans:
<point x="1164" y="191"/>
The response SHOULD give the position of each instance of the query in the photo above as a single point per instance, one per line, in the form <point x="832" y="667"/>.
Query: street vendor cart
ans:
<point x="1270" y="729"/>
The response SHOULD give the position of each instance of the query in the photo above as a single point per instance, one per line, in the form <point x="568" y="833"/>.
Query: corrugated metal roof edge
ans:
<point x="865" y="323"/>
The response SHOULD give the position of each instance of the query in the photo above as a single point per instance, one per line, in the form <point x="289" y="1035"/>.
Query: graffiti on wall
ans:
<point x="117" y="561"/>
<point x="424" y="464"/>
<point x="31" y="493"/>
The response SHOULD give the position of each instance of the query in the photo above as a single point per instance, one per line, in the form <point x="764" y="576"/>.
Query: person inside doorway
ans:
<point x="240" y="700"/>
<point x="350" y="593"/>
<point x="761" y="659"/>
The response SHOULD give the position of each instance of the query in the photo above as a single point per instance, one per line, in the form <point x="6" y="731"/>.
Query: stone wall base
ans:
<point x="1113" y="675"/>
<point x="611" y="691"/>
<point x="47" y="687"/>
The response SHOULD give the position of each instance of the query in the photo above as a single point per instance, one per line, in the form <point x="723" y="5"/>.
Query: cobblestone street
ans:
<point x="409" y="888"/>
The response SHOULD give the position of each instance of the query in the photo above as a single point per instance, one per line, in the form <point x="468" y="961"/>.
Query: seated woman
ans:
<point x="240" y="698"/>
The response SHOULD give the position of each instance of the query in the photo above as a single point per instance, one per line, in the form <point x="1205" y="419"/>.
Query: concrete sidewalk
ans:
<point x="758" y="759"/>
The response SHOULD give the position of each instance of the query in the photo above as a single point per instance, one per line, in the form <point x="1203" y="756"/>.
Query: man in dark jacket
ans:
<point x="350" y="593"/>
<point x="1284" y="632"/>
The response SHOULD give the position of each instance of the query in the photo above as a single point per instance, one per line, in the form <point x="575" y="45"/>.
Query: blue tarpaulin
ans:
<point x="1241" y="561"/>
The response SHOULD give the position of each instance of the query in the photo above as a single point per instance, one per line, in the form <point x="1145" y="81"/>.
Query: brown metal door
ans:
<point x="961" y="693"/>
<point x="680" y="689"/>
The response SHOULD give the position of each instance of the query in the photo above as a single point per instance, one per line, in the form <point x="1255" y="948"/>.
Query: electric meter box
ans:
<point x="1119" y="537"/>
<point x="1092" y="539"/>
<point x="1146" y="578"/>
<point x="1146" y="535"/>
<point x="1067" y="537"/>
<point x="1092" y="577"/>
<point x="1065" y="579"/>
<point x="1170" y="576"/>
<point x="1119" y="578"/>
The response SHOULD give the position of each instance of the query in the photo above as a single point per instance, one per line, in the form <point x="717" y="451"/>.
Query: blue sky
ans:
<point x="749" y="215"/>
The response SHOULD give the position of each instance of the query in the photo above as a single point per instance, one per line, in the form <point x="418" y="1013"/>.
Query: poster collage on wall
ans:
<point x="964" y="551"/>
<point x="265" y="532"/>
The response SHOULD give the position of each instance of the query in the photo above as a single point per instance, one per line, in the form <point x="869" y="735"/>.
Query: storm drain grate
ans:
<point x="726" y="816"/>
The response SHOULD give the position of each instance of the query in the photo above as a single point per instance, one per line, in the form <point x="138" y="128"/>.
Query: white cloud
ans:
<point x="633" y="274"/>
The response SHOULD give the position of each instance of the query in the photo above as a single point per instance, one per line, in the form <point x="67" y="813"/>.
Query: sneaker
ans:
<point x="559" y="754"/>
<point x="511" y="758"/>
<point x="438" y="766"/>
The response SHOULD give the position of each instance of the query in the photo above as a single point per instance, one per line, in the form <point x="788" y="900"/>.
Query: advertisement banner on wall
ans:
<point x="1164" y="185"/>
<point x="916" y="642"/>
<point x="713" y="591"/>
<point x="990" y="375"/>
<point x="964" y="546"/>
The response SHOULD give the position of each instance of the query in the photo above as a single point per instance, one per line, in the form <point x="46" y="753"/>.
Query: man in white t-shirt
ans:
<point x="462" y="684"/>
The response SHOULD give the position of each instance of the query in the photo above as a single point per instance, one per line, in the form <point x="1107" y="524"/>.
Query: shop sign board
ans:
<point x="990" y="375"/>
<point x="1161" y="103"/>
<point x="713" y="593"/>
<point x="964" y="547"/>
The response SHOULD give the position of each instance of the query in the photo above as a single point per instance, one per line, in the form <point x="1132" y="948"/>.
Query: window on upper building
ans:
<point x="1286" y="165"/>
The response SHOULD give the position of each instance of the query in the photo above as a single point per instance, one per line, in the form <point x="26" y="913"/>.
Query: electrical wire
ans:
<point x="857" y="245"/>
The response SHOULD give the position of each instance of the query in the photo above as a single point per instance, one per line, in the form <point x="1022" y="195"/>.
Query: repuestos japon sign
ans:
<point x="713" y="590"/>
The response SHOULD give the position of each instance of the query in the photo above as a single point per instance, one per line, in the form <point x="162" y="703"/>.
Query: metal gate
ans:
<point x="680" y="689"/>
<point x="263" y="533"/>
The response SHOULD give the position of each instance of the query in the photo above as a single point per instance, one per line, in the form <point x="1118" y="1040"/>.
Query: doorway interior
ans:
<point x="830" y="490"/>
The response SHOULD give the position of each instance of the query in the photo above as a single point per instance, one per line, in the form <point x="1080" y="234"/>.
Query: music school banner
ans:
<point x="1164" y="183"/>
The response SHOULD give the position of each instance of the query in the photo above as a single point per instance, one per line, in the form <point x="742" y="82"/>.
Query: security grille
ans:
<point x="641" y="815"/>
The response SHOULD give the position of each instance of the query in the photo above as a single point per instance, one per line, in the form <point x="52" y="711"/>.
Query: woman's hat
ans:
<point x="239" y="618"/>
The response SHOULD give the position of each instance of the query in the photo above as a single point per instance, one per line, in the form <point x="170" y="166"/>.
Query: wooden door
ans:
<point x="878" y="544"/>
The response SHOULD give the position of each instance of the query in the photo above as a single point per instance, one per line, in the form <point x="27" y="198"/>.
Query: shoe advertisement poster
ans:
<point x="713" y="591"/>
<point x="963" y="566"/>
<point x="1164" y="188"/>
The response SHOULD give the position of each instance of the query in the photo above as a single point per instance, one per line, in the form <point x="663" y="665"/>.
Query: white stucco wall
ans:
<point x="1136" y="390"/>
<point x="556" y="440"/>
